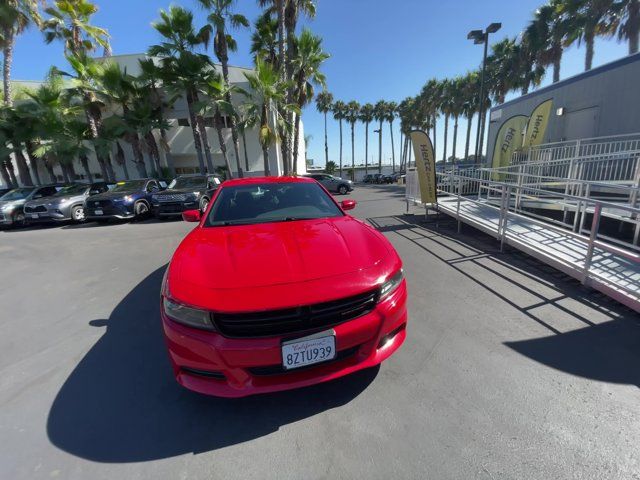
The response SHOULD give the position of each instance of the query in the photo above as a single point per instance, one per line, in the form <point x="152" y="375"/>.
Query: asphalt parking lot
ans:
<point x="510" y="370"/>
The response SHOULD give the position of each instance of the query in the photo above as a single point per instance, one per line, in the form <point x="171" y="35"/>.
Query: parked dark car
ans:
<point x="66" y="204"/>
<point x="186" y="192"/>
<point x="368" y="178"/>
<point x="331" y="183"/>
<point x="12" y="203"/>
<point x="130" y="199"/>
<point x="387" y="179"/>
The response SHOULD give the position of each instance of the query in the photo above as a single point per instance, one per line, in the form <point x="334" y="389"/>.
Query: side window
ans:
<point x="327" y="177"/>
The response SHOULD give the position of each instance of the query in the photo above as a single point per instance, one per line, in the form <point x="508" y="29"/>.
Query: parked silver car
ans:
<point x="66" y="204"/>
<point x="12" y="203"/>
<point x="333" y="184"/>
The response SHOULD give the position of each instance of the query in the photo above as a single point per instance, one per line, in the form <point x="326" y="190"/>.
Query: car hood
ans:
<point x="173" y="191"/>
<point x="111" y="195"/>
<point x="269" y="265"/>
<point x="55" y="200"/>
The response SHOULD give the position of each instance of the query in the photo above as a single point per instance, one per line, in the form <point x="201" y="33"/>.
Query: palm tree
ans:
<point x="429" y="103"/>
<point x="392" y="111"/>
<point x="445" y="107"/>
<point x="243" y="121"/>
<point x="15" y="17"/>
<point x="220" y="18"/>
<point x="547" y="34"/>
<point x="353" y="111"/>
<point x="457" y="109"/>
<point x="70" y="22"/>
<point x="264" y="39"/>
<point x="306" y="69"/>
<point x="627" y="21"/>
<point x="181" y="69"/>
<point x="9" y="121"/>
<point x="324" y="104"/>
<point x="366" y="117"/>
<point x="339" y="113"/>
<point x="586" y="20"/>
<point x="267" y="95"/>
<point x="380" y="114"/>
<point x="529" y="70"/>
<point x="501" y="66"/>
<point x="471" y="87"/>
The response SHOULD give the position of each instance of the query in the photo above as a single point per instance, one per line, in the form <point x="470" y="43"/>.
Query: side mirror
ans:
<point x="191" y="215"/>
<point x="348" y="204"/>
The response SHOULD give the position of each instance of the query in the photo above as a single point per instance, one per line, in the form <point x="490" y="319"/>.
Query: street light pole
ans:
<point x="478" y="37"/>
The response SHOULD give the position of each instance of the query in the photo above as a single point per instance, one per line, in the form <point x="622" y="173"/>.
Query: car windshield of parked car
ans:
<point x="71" y="190"/>
<point x="271" y="202"/>
<point x="188" y="182"/>
<point x="16" y="194"/>
<point x="130" y="186"/>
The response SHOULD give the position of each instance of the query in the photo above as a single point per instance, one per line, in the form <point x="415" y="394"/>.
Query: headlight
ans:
<point x="128" y="199"/>
<point x="391" y="284"/>
<point x="191" y="317"/>
<point x="8" y="207"/>
<point x="196" y="194"/>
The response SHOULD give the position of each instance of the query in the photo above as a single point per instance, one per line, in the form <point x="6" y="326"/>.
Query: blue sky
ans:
<point x="379" y="50"/>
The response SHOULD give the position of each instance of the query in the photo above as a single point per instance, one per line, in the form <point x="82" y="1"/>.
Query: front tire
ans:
<point x="77" y="214"/>
<point x="204" y="203"/>
<point x="19" y="220"/>
<point x="343" y="190"/>
<point x="141" y="210"/>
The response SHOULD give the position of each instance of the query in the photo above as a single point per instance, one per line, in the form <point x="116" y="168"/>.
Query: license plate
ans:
<point x="34" y="215"/>
<point x="98" y="212"/>
<point x="316" y="348"/>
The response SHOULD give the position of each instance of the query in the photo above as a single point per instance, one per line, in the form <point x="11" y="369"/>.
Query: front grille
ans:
<point x="172" y="207"/>
<point x="171" y="197"/>
<point x="295" y="320"/>
<point x="36" y="209"/>
<point x="280" y="370"/>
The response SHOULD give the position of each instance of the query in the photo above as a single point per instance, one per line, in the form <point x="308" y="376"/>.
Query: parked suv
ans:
<point x="333" y="184"/>
<point x="187" y="192"/>
<point x="66" y="204"/>
<point x="12" y="203"/>
<point x="129" y="199"/>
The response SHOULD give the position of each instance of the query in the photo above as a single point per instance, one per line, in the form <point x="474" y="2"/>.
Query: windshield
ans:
<point x="271" y="202"/>
<point x="130" y="186"/>
<point x="17" y="194"/>
<point x="188" y="182"/>
<point x="71" y="190"/>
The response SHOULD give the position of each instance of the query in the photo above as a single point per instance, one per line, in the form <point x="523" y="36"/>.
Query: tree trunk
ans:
<point x="446" y="133"/>
<point x="244" y="148"/>
<point x="393" y="149"/>
<point x="33" y="161"/>
<point x="455" y="137"/>
<point x="326" y="144"/>
<point x="280" y="11"/>
<point x="296" y="141"/>
<point x="466" y="147"/>
<point x="482" y="134"/>
<point x="435" y="121"/>
<point x="205" y="142"/>
<point x="366" y="148"/>
<point x="49" y="166"/>
<point x="633" y="25"/>
<point x="264" y="123"/>
<point x="380" y="148"/>
<point x="588" y="58"/>
<point x="65" y="172"/>
<point x="9" y="34"/>
<point x="167" y="152"/>
<point x="120" y="158"/>
<point x="23" y="168"/>
<point x="84" y="161"/>
<point x="72" y="171"/>
<point x="340" y="147"/>
<point x="197" y="137"/>
<point x="353" y="152"/>
<point x="12" y="173"/>
<point x="5" y="175"/>
<point x="525" y="88"/>
<point x="154" y="152"/>
<point x="223" y="147"/>
<point x="232" y="121"/>
<point x="138" y="155"/>
<point x="556" y="69"/>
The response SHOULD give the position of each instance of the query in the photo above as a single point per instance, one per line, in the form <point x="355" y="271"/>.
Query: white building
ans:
<point x="181" y="142"/>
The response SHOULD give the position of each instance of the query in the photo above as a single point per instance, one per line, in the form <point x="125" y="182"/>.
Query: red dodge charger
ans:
<point x="278" y="288"/>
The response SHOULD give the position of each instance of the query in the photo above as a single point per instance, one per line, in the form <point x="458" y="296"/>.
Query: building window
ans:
<point x="183" y="122"/>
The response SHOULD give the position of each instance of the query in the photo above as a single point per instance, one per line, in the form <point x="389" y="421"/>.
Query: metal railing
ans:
<point x="503" y="197"/>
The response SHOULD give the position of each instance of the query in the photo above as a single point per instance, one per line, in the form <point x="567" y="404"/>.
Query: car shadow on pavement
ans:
<point x="591" y="335"/>
<point x="122" y="404"/>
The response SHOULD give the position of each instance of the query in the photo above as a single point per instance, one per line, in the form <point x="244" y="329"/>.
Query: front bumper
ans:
<point x="117" y="210"/>
<point x="209" y="363"/>
<point x="58" y="214"/>
<point x="170" y="209"/>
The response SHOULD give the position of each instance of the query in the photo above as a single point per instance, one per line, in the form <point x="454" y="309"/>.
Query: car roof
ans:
<point x="254" y="180"/>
